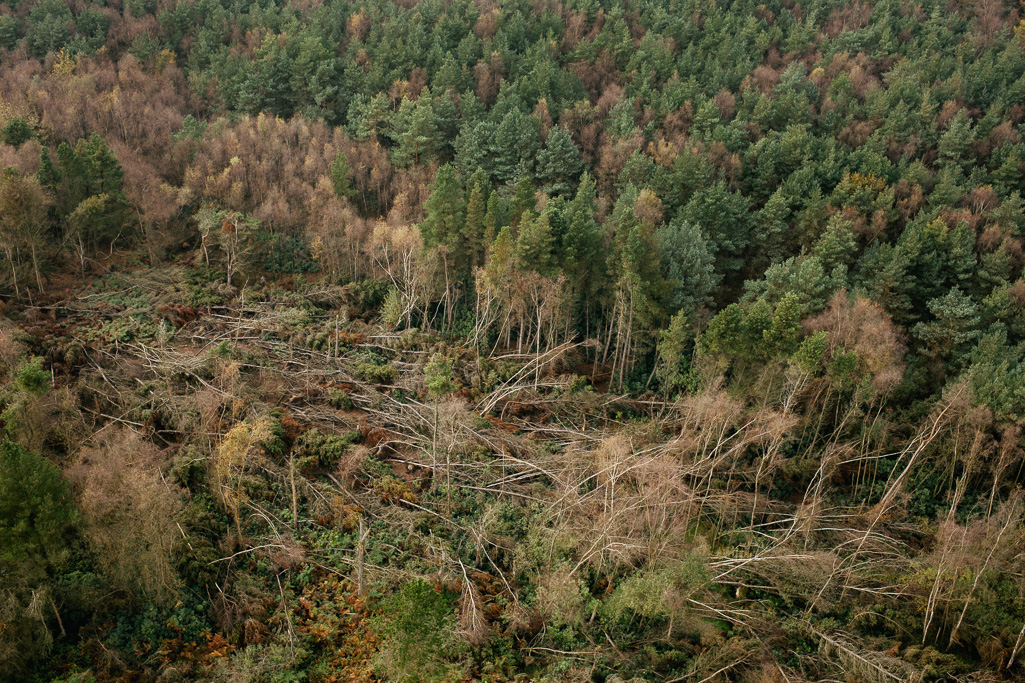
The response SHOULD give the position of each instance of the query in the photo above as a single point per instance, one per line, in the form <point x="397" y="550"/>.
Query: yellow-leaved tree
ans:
<point x="237" y="454"/>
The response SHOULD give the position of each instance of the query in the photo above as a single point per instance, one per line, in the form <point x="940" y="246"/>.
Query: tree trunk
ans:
<point x="35" y="265"/>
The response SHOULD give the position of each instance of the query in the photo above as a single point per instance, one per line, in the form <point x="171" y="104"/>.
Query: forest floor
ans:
<point x="312" y="482"/>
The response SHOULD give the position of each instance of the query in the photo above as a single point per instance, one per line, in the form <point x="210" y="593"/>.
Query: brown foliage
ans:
<point x="612" y="156"/>
<point x="487" y="24"/>
<point x="863" y="327"/>
<point x="278" y="171"/>
<point x="584" y="124"/>
<point x="764" y="78"/>
<point x="727" y="104"/>
<point x="129" y="512"/>
<point x="648" y="208"/>
<point x="358" y="25"/>
<point x="488" y="79"/>
<point x="850" y="17"/>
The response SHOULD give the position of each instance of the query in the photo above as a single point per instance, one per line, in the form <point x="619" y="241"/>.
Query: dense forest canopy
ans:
<point x="468" y="340"/>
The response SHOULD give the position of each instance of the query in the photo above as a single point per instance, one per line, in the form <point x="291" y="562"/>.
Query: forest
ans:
<point x="512" y="340"/>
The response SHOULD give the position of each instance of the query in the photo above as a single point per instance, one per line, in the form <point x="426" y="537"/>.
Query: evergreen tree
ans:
<point x="688" y="267"/>
<point x="416" y="131"/>
<point x="48" y="173"/>
<point x="474" y="230"/>
<point x="444" y="229"/>
<point x="444" y="209"/>
<point x="836" y="245"/>
<point x="522" y="202"/>
<point x="515" y="144"/>
<point x="16" y="133"/>
<point x="558" y="164"/>
<point x="784" y="333"/>
<point x="723" y="215"/>
<point x="583" y="253"/>
<point x="36" y="520"/>
<point x="955" y="325"/>
<point x="673" y="366"/>
<point x="472" y="147"/>
<point x="101" y="172"/>
<point x="341" y="176"/>
<point x="771" y="228"/>
<point x="493" y="216"/>
<point x="955" y="144"/>
<point x="535" y="245"/>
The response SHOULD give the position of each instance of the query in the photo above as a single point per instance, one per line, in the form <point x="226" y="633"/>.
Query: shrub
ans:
<point x="418" y="624"/>
<point x="35" y="520"/>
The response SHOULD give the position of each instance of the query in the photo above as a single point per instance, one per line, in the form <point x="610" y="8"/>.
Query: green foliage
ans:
<point x="658" y="593"/>
<point x="339" y="399"/>
<point x="418" y="624"/>
<point x="688" y="266"/>
<point x="341" y="175"/>
<point x="286" y="254"/>
<point x="36" y="520"/>
<point x="954" y="326"/>
<point x="439" y="376"/>
<point x="316" y="450"/>
<point x="375" y="372"/>
<point x="31" y="377"/>
<point x="679" y="194"/>
<point x="16" y="133"/>
<point x="559" y="163"/>
<point x="809" y="355"/>
<point x="35" y="516"/>
<point x="673" y="366"/>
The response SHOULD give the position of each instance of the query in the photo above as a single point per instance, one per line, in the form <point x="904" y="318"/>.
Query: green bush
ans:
<point x="378" y="374"/>
<point x="31" y="377"/>
<point x="418" y="624"/>
<point x="316" y="450"/>
<point x="36" y="519"/>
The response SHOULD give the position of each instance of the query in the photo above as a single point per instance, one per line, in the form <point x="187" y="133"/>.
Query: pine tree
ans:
<point x="416" y="129"/>
<point x="341" y="176"/>
<point x="724" y="336"/>
<point x="688" y="267"/>
<point x="955" y="325"/>
<point x="474" y="231"/>
<point x="100" y="168"/>
<point x="444" y="210"/>
<point x="472" y="147"/>
<point x="493" y="216"/>
<point x="47" y="174"/>
<point x="36" y="521"/>
<point x="558" y="164"/>
<point x="535" y="245"/>
<point x="583" y="254"/>
<point x="673" y="365"/>
<point x="784" y="333"/>
<point x="836" y="245"/>
<point x="443" y="229"/>
<point x="771" y="228"/>
<point x="522" y="201"/>
<point x="724" y="217"/>
<point x="515" y="145"/>
<point x="955" y="144"/>
<point x="74" y="182"/>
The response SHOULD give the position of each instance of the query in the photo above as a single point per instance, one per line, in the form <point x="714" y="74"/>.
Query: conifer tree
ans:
<point x="558" y="164"/>
<point x="522" y="201"/>
<point x="688" y="266"/>
<point x="474" y="231"/>
<point x="341" y="177"/>
<point x="493" y="217"/>
<point x="583" y="246"/>
<point x="444" y="230"/>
